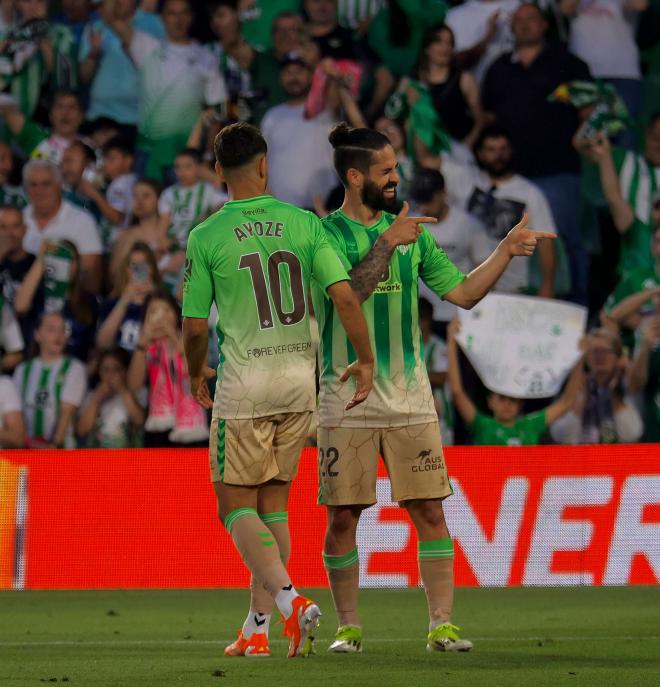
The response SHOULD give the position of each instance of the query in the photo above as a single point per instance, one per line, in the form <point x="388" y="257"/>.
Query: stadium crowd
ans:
<point x="108" y="113"/>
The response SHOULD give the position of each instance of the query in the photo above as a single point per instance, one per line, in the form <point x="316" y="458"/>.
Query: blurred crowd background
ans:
<point x="108" y="111"/>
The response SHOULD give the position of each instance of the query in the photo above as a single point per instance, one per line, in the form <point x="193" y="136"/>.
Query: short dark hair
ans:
<point x="66" y="93"/>
<point x="88" y="153"/>
<point x="653" y="120"/>
<point x="237" y="144"/>
<point x="425" y="184"/>
<point x="120" y="144"/>
<point x="121" y="355"/>
<point x="425" y="309"/>
<point x="492" y="131"/>
<point x="217" y="4"/>
<point x="8" y="207"/>
<point x="191" y="152"/>
<point x="163" y="3"/>
<point x="354" y="148"/>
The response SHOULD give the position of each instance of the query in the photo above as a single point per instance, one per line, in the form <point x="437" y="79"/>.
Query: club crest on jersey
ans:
<point x="403" y="249"/>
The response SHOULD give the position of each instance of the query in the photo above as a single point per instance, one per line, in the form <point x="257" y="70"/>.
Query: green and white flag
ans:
<point x="57" y="276"/>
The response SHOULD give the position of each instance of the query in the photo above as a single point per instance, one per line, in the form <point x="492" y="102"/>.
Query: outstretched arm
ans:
<point x="567" y="399"/>
<point x="462" y="401"/>
<point x="600" y="151"/>
<point x="631" y="305"/>
<point x="638" y="372"/>
<point x="519" y="241"/>
<point x="404" y="230"/>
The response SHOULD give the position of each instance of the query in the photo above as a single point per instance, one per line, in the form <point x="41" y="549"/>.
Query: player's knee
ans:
<point x="427" y="514"/>
<point x="342" y="521"/>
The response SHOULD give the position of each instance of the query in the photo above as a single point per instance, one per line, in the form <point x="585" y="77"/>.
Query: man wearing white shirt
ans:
<point x="178" y="77"/>
<point x="482" y="31"/>
<point x="299" y="153"/>
<point x="49" y="217"/>
<point x="497" y="196"/>
<point x="459" y="234"/>
<point x="602" y="33"/>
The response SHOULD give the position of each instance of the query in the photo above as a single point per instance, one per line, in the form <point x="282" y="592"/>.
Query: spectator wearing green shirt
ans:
<point x="627" y="305"/>
<point x="635" y="231"/>
<point x="45" y="61"/>
<point x="644" y="372"/>
<point x="257" y="17"/>
<point x="395" y="35"/>
<point x="66" y="116"/>
<point x="507" y="427"/>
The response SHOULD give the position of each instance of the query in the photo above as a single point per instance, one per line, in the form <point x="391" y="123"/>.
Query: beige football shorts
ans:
<point x="251" y="452"/>
<point x="348" y="463"/>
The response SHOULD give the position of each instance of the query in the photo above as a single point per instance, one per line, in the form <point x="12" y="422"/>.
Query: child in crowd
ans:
<point x="117" y="203"/>
<point x="145" y="226"/>
<point x="183" y="206"/>
<point x="174" y="417"/>
<point x="52" y="386"/>
<point x="435" y="357"/>
<point x="121" y="314"/>
<point x="53" y="285"/>
<point x="506" y="427"/>
<point x="112" y="416"/>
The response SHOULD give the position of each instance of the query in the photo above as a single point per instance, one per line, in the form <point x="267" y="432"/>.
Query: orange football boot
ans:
<point x="254" y="646"/>
<point x="300" y="625"/>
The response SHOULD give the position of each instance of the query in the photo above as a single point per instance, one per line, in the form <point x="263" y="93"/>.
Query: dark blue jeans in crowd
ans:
<point x="562" y="191"/>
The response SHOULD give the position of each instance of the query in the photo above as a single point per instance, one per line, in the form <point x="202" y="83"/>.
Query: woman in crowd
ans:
<point x="454" y="92"/>
<point x="112" y="416"/>
<point x="53" y="284"/>
<point x="174" y="417"/>
<point x="453" y="95"/>
<point x="145" y="226"/>
<point x="603" y="412"/>
<point x="52" y="386"/>
<point x="121" y="314"/>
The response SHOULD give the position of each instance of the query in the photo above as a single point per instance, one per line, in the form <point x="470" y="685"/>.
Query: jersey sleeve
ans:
<point x="197" y="280"/>
<point x="215" y="90"/>
<point x="75" y="384"/>
<point x="165" y="201"/>
<point x="87" y="239"/>
<point x="142" y="46"/>
<point x="10" y="401"/>
<point x="437" y="271"/>
<point x="327" y="265"/>
<point x="11" y="338"/>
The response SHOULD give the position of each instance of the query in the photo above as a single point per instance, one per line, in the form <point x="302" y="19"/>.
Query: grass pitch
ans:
<point x="586" y="636"/>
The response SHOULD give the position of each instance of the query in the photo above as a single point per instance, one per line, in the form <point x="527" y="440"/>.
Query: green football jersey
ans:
<point x="401" y="394"/>
<point x="257" y="259"/>
<point x="641" y="279"/>
<point x="527" y="430"/>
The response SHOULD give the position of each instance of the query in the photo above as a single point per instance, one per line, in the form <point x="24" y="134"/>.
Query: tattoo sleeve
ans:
<point x="373" y="269"/>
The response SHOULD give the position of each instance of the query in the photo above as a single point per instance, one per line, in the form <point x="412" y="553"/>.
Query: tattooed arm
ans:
<point x="366" y="274"/>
